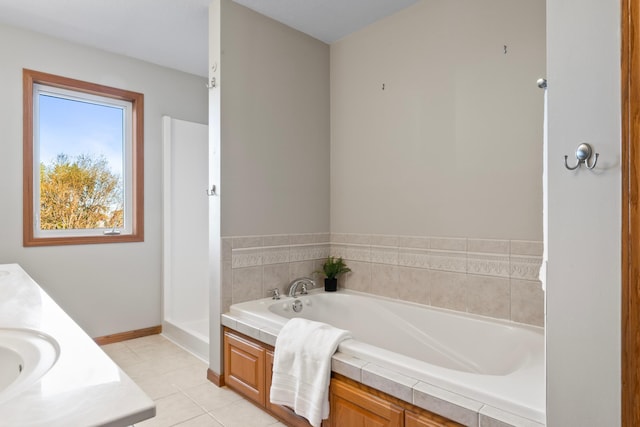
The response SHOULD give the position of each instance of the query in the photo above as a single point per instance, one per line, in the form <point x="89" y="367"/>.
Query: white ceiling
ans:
<point x="173" y="33"/>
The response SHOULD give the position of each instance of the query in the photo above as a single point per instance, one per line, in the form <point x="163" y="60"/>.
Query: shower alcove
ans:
<point x="185" y="235"/>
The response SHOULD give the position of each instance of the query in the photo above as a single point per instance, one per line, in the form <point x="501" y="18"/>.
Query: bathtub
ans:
<point x="497" y="363"/>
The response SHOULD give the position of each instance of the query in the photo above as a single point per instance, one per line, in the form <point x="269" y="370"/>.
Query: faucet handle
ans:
<point x="275" y="292"/>
<point x="307" y="282"/>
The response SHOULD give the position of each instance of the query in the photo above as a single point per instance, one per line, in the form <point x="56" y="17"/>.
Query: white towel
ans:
<point x="302" y="367"/>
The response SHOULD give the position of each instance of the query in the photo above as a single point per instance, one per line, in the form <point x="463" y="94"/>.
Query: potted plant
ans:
<point x="332" y="268"/>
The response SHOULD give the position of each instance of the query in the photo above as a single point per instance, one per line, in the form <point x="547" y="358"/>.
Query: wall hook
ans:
<point x="212" y="84"/>
<point x="212" y="192"/>
<point x="583" y="154"/>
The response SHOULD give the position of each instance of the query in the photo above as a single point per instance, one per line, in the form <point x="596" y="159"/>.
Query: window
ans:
<point x="83" y="162"/>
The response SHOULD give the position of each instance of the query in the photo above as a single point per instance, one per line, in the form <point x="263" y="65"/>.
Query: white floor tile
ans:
<point x="171" y="410"/>
<point x="177" y="382"/>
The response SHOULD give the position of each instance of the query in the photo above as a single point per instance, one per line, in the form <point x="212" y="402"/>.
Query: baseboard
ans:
<point x="123" y="336"/>
<point x="215" y="378"/>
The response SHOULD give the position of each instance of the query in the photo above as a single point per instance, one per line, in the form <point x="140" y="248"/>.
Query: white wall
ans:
<point x="583" y="291"/>
<point x="105" y="288"/>
<point x="453" y="144"/>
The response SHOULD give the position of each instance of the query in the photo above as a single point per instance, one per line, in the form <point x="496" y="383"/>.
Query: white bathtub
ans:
<point x="494" y="362"/>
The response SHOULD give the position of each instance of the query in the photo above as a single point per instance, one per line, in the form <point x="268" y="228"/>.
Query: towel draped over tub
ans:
<point x="302" y="367"/>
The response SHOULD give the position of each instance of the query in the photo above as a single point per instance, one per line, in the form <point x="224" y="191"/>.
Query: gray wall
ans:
<point x="105" y="288"/>
<point x="274" y="127"/>
<point x="583" y="289"/>
<point x="272" y="143"/>
<point x="453" y="144"/>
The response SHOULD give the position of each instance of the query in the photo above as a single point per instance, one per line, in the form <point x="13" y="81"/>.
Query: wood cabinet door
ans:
<point x="412" y="419"/>
<point x="353" y="407"/>
<point x="244" y="364"/>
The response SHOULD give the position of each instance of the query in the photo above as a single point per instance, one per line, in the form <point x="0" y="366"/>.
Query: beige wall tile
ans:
<point x="527" y="302"/>
<point x="338" y="237"/>
<point x="301" y="269"/>
<point x="358" y="239"/>
<point x="275" y="255"/>
<point x="416" y="258"/>
<point x="488" y="296"/>
<point x="247" y="257"/>
<point x="359" y="279"/>
<point x="227" y="286"/>
<point x="384" y="280"/>
<point x="275" y="276"/>
<point x="275" y="240"/>
<point x="448" y="243"/>
<point x="227" y="244"/>
<point x="488" y="246"/>
<point x="247" y="242"/>
<point x="247" y="284"/>
<point x="382" y="240"/>
<point x="384" y="255"/>
<point x="302" y="239"/>
<point x="448" y="290"/>
<point x="488" y="264"/>
<point x="413" y="242"/>
<point x="413" y="284"/>
<point x="526" y="247"/>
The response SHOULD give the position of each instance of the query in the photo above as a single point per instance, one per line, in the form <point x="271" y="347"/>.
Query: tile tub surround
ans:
<point x="490" y="277"/>
<point x="435" y="399"/>
<point x="253" y="265"/>
<point x="84" y="387"/>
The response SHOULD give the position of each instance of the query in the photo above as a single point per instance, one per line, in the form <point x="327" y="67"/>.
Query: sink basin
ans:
<point x="25" y="356"/>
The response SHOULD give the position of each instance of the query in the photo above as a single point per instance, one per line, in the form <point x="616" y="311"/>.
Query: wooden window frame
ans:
<point x="630" y="269"/>
<point x="31" y="77"/>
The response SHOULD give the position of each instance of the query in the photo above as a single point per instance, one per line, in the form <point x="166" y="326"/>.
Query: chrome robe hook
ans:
<point x="583" y="154"/>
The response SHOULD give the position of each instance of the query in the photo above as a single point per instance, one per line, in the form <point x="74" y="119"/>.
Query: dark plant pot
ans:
<point x="330" y="285"/>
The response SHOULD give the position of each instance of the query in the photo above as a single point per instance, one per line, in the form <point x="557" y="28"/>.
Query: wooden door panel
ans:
<point x="244" y="364"/>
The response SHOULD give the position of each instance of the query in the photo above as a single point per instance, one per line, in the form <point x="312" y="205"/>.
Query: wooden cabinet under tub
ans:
<point x="248" y="365"/>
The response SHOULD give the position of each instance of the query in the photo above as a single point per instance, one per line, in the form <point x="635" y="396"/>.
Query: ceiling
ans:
<point x="173" y="33"/>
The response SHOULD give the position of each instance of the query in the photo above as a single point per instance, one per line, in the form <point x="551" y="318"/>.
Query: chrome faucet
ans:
<point x="302" y="282"/>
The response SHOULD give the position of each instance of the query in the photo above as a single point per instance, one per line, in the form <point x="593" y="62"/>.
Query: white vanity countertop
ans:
<point x="84" y="387"/>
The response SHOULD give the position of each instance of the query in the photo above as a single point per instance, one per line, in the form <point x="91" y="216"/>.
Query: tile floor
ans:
<point x="176" y="381"/>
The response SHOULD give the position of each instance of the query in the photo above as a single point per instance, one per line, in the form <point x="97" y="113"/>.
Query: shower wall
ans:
<point x="185" y="239"/>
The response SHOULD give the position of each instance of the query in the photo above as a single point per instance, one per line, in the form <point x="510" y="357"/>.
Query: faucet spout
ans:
<point x="303" y="283"/>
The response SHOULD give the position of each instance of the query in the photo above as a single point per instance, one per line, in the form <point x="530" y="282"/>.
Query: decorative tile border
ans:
<point x="415" y="258"/>
<point x="517" y="259"/>
<point x="249" y="257"/>
<point x="384" y="255"/>
<point x="455" y="262"/>
<point x="488" y="264"/>
<point x="275" y="255"/>
<point x="500" y="258"/>
<point x="253" y="251"/>
<point x="525" y="267"/>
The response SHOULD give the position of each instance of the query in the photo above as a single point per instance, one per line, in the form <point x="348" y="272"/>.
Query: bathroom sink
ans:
<point x="25" y="356"/>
